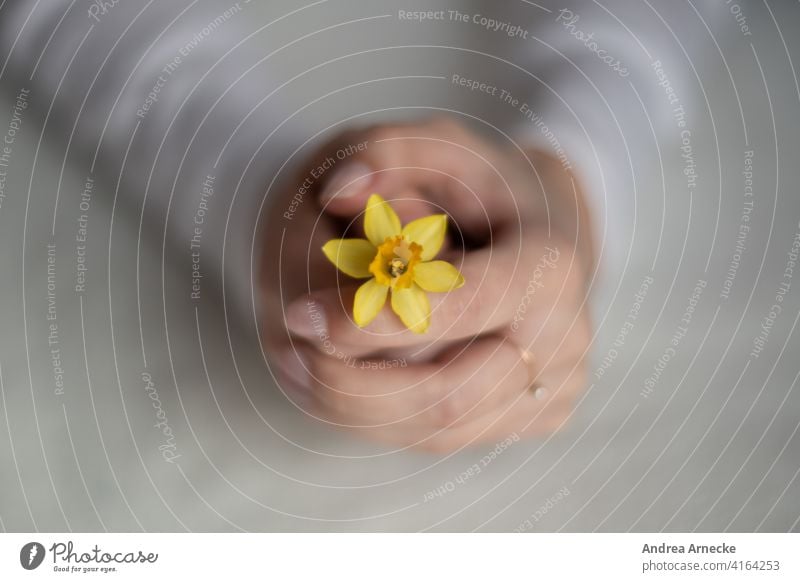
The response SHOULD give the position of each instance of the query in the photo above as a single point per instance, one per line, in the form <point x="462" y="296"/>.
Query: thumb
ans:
<point x="349" y="186"/>
<point x="457" y="172"/>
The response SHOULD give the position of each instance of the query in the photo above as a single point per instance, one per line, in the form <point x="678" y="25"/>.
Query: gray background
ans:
<point x="715" y="447"/>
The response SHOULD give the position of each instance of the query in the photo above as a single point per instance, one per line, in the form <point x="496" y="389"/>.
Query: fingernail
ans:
<point x="346" y="181"/>
<point x="306" y="318"/>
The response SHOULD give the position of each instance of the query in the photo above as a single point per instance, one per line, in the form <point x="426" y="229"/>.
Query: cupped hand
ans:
<point x="503" y="354"/>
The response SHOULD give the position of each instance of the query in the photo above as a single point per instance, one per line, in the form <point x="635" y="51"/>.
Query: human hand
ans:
<point x="519" y="321"/>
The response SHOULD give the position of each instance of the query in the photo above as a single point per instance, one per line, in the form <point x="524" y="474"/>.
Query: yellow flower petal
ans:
<point x="352" y="256"/>
<point x="380" y="220"/>
<point x="370" y="299"/>
<point x="437" y="276"/>
<point x="427" y="232"/>
<point x="412" y="306"/>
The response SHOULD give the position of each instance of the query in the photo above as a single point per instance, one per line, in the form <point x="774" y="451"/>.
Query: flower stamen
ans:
<point x="397" y="267"/>
<point x="394" y="262"/>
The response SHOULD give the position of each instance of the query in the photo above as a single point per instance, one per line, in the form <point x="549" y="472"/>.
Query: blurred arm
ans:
<point x="165" y="84"/>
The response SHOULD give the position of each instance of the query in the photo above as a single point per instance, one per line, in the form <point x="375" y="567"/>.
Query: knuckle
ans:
<point x="452" y="408"/>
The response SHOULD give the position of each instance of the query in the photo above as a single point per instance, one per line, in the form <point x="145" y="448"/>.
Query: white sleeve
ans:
<point x="607" y="81"/>
<point x="178" y="94"/>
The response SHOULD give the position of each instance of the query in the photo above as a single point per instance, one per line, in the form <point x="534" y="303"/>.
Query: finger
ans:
<point x="518" y="416"/>
<point x="464" y="384"/>
<point x="346" y="193"/>
<point x="564" y="339"/>
<point x="408" y="204"/>
<point x="461" y="174"/>
<point x="523" y="417"/>
<point x="558" y="369"/>
<point x="497" y="281"/>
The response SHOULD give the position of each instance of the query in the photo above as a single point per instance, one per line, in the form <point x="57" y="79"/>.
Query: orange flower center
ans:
<point x="393" y="265"/>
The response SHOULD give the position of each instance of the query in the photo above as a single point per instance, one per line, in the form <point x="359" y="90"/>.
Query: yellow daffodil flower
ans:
<point x="396" y="259"/>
